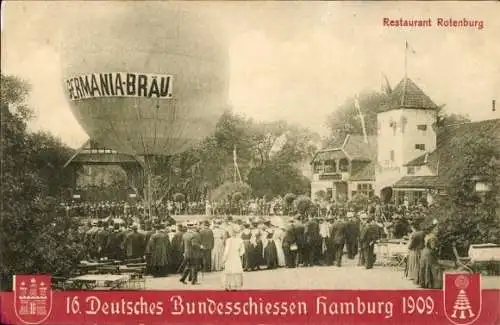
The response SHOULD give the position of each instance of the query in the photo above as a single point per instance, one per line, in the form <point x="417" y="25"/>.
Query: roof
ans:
<point x="418" y="182"/>
<point x="444" y="145"/>
<point x="329" y="154"/>
<point x="442" y="160"/>
<point x="353" y="147"/>
<point x="408" y="95"/>
<point x="92" y="152"/>
<point x="357" y="149"/>
<point x="367" y="173"/>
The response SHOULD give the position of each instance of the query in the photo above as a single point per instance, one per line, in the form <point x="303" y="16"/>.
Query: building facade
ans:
<point x="344" y="170"/>
<point x="406" y="161"/>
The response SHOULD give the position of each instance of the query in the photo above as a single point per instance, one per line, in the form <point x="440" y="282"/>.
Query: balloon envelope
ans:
<point x="145" y="80"/>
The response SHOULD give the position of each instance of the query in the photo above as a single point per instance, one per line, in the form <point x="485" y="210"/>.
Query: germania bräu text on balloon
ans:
<point x="119" y="84"/>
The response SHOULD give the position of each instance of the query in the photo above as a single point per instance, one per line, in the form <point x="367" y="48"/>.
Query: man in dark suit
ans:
<point x="133" y="243"/>
<point x="300" y="231"/>
<point x="312" y="242"/>
<point x="369" y="235"/>
<point x="207" y="244"/>
<point x="338" y="236"/>
<point x="191" y="243"/>
<point x="352" y="236"/>
<point x="290" y="245"/>
<point x="177" y="253"/>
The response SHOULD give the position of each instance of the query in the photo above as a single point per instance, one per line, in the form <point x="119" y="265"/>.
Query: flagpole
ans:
<point x="361" y="117"/>
<point x="237" y="174"/>
<point x="406" y="74"/>
<point x="406" y="60"/>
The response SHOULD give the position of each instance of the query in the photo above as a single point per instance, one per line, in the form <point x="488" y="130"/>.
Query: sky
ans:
<point x="296" y="61"/>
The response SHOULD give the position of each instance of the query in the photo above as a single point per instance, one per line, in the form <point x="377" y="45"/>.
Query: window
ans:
<point x="365" y="188"/>
<point x="329" y="193"/>
<point x="330" y="166"/>
<point x="318" y="167"/>
<point x="344" y="165"/>
<point x="392" y="155"/>
<point x="420" y="146"/>
<point x="411" y="170"/>
<point x="422" y="127"/>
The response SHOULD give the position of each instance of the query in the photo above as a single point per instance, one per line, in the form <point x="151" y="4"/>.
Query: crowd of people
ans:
<point x="263" y="242"/>
<point x="103" y="209"/>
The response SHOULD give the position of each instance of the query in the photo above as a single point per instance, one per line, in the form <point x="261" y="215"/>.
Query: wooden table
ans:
<point x="99" y="281"/>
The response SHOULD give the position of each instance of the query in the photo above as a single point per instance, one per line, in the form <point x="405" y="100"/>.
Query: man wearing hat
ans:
<point x="290" y="245"/>
<point x="338" y="236"/>
<point x="369" y="235"/>
<point x="176" y="249"/>
<point x="300" y="239"/>
<point x="352" y="235"/>
<point x="133" y="243"/>
<point x="191" y="242"/>
<point x="207" y="244"/>
<point x="312" y="242"/>
<point x="101" y="238"/>
<point x="158" y="252"/>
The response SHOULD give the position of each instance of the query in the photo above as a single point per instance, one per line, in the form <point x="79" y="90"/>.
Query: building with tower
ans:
<point x="406" y="130"/>
<point x="408" y="159"/>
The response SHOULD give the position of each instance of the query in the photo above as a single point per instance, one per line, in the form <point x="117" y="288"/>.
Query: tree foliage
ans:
<point x="34" y="236"/>
<point x="274" y="179"/>
<point x="210" y="164"/>
<point x="345" y="119"/>
<point x="179" y="197"/>
<point x="320" y="195"/>
<point x="303" y="205"/>
<point x="466" y="216"/>
<point x="359" y="201"/>
<point x="227" y="191"/>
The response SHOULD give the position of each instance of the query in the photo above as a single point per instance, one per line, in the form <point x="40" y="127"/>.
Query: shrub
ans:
<point x="179" y="197"/>
<point x="303" y="204"/>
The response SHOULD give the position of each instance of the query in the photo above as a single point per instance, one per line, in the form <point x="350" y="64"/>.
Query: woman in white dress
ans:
<point x="233" y="268"/>
<point x="218" y="250"/>
<point x="278" y="240"/>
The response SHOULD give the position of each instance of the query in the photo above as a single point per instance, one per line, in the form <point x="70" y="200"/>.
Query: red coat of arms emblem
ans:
<point x="32" y="298"/>
<point x="462" y="297"/>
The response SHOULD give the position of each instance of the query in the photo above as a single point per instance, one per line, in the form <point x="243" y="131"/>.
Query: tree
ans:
<point x="34" y="237"/>
<point x="466" y="216"/>
<point x="320" y="195"/>
<point x="288" y="199"/>
<point x="227" y="190"/>
<point x="179" y="197"/>
<point x="274" y="179"/>
<point x="359" y="201"/>
<point x="345" y="119"/>
<point x="303" y="205"/>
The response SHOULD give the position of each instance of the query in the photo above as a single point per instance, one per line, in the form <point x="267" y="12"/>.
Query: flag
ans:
<point x="386" y="86"/>
<point x="409" y="48"/>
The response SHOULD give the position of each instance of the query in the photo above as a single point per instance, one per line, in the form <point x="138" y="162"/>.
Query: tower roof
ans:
<point x="408" y="95"/>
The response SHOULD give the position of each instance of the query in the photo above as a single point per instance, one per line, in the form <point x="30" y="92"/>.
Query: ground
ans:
<point x="349" y="276"/>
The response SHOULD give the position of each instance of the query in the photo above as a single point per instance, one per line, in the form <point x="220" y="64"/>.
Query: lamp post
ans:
<point x="481" y="186"/>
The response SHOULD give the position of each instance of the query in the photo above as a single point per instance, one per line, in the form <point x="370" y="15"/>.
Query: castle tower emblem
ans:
<point x="32" y="298"/>
<point x="462" y="297"/>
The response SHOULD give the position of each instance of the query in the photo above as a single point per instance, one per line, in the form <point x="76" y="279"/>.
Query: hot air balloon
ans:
<point x="145" y="80"/>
